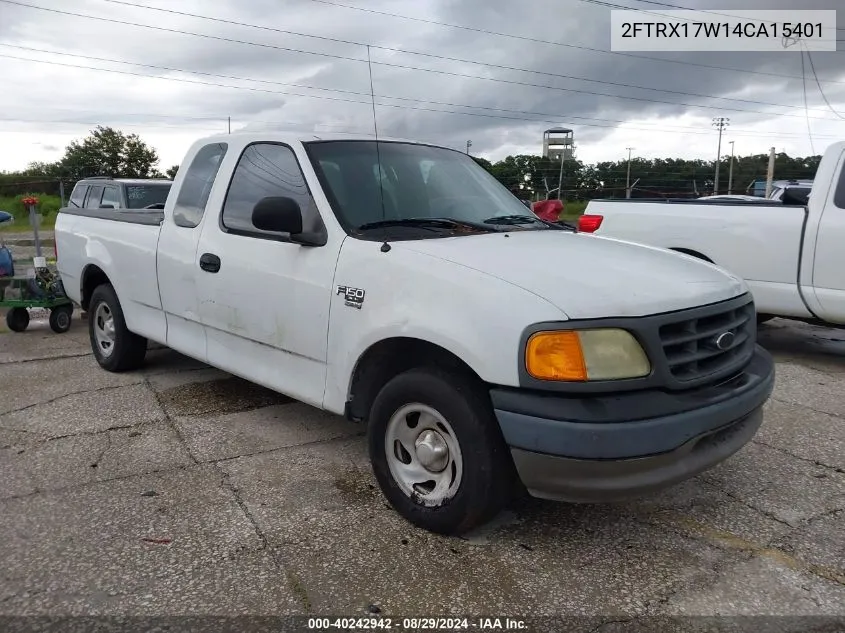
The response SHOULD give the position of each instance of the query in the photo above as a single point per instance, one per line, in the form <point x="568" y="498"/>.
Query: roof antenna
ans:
<point x="385" y="247"/>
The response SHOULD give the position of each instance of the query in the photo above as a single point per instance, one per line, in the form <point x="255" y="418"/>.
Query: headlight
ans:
<point x="582" y="355"/>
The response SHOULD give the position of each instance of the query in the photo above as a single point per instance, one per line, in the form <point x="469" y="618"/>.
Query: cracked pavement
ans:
<point x="181" y="490"/>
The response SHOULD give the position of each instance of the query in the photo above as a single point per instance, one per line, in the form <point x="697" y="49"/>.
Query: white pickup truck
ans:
<point x="402" y="286"/>
<point x="791" y="255"/>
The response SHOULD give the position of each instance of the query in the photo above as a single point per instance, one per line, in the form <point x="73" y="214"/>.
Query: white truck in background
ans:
<point x="790" y="255"/>
<point x="401" y="285"/>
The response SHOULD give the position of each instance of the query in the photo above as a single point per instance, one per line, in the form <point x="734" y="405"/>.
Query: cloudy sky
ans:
<point x="438" y="72"/>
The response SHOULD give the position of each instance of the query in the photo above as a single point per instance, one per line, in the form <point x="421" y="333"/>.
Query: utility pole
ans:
<point x="560" y="177"/>
<point x="720" y="123"/>
<point x="628" y="177"/>
<point x="230" y="124"/>
<point x="469" y="144"/>
<point x="770" y="172"/>
<point x="731" y="170"/>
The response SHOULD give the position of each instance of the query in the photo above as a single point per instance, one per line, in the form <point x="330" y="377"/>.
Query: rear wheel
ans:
<point x="60" y="319"/>
<point x="437" y="451"/>
<point x="17" y="319"/>
<point x="115" y="347"/>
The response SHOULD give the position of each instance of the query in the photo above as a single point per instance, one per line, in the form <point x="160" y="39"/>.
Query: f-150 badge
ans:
<point x="353" y="297"/>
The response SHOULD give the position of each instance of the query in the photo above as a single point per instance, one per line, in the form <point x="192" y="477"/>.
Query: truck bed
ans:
<point x="123" y="242"/>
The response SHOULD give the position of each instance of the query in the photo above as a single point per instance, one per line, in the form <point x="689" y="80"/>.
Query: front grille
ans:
<point x="708" y="343"/>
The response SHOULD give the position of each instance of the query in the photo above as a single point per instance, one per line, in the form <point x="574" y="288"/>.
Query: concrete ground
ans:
<point x="179" y="489"/>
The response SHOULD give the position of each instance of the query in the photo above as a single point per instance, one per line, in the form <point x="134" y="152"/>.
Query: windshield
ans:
<point x="419" y="182"/>
<point x="140" y="196"/>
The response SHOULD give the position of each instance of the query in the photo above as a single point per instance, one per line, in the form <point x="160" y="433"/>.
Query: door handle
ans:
<point x="209" y="262"/>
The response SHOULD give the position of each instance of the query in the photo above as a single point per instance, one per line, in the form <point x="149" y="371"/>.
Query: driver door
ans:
<point x="264" y="300"/>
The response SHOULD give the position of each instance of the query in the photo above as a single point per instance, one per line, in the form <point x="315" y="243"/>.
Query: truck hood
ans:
<point x="587" y="276"/>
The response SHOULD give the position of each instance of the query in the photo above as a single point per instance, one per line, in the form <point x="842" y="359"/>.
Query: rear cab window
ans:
<point x="196" y="186"/>
<point x="77" y="198"/>
<point x="111" y="198"/>
<point x="95" y="194"/>
<point x="839" y="193"/>
<point x="152" y="195"/>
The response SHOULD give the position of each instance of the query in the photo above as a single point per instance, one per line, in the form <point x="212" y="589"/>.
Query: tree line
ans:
<point x="536" y="178"/>
<point x="105" y="152"/>
<point x="110" y="152"/>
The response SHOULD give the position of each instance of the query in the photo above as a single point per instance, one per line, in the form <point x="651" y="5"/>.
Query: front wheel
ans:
<point x="115" y="347"/>
<point x="437" y="451"/>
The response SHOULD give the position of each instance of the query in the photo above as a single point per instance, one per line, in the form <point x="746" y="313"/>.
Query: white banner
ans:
<point x="723" y="30"/>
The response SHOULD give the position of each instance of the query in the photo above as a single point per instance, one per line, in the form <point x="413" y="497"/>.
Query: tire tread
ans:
<point x="130" y="349"/>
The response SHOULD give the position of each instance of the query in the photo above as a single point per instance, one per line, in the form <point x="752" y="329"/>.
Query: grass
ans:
<point x="47" y="207"/>
<point x="573" y="210"/>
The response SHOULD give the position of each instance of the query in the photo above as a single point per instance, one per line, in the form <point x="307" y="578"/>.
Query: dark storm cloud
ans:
<point x="572" y="22"/>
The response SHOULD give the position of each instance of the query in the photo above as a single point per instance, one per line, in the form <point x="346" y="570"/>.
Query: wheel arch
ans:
<point x="691" y="253"/>
<point x="390" y="357"/>
<point x="92" y="276"/>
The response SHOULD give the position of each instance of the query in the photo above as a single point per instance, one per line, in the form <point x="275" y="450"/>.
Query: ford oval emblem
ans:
<point x="725" y="340"/>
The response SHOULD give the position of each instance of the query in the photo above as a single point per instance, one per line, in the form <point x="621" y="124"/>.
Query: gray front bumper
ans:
<point x="613" y="447"/>
<point x="590" y="481"/>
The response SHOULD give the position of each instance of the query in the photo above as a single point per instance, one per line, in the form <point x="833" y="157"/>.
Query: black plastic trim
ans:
<point x="646" y="330"/>
<point x="839" y="193"/>
<point x="151" y="217"/>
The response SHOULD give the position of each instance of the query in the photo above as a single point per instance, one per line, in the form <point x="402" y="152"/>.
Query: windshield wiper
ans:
<point x="516" y="220"/>
<point x="426" y="223"/>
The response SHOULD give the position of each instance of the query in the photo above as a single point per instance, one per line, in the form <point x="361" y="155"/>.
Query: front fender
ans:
<point x="475" y="316"/>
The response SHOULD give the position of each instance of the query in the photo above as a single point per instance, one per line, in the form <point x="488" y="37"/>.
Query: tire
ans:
<point x="125" y="350"/>
<point x="480" y="475"/>
<point x="60" y="319"/>
<point x="17" y="319"/>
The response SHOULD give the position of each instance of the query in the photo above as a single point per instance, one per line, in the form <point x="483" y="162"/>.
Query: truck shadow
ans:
<point x="792" y="341"/>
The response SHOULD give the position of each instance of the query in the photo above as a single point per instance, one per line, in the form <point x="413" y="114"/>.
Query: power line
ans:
<point x="140" y="114"/>
<point x="381" y="104"/>
<point x="356" y="93"/>
<point x="221" y="119"/>
<point x="407" y="67"/>
<point x="804" y="86"/>
<point x="443" y="57"/>
<point x="77" y="121"/>
<point x="611" y="5"/>
<point x="397" y="50"/>
<point x="821" y="92"/>
<point x="562" y="44"/>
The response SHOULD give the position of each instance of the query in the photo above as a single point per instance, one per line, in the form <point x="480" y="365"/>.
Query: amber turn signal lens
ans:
<point x="555" y="356"/>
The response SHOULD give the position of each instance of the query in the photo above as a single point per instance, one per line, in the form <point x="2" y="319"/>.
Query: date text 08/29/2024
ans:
<point x="417" y="624"/>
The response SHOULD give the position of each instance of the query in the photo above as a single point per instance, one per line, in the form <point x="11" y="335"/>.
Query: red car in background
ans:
<point x="548" y="210"/>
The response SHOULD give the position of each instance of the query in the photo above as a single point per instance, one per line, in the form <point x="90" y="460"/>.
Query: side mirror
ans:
<point x="277" y="214"/>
